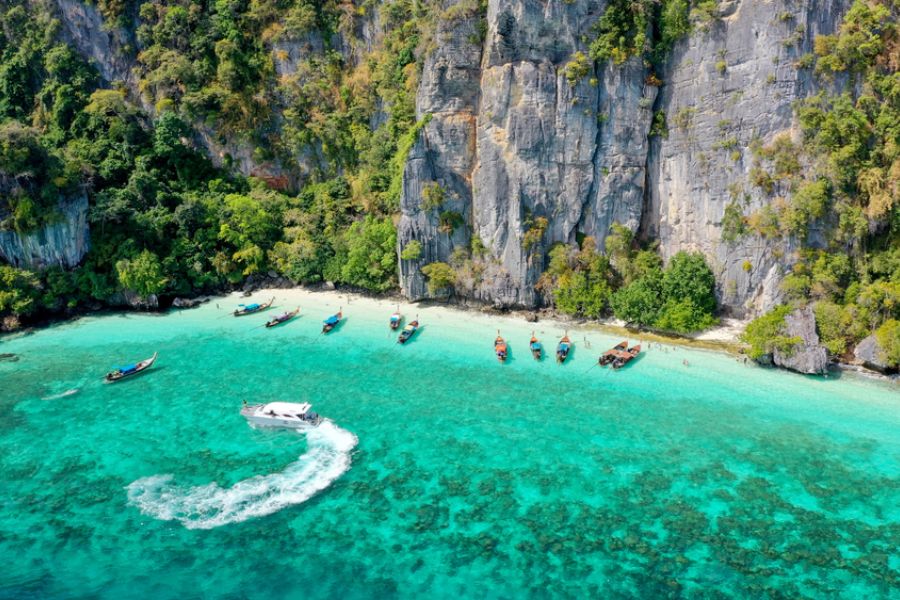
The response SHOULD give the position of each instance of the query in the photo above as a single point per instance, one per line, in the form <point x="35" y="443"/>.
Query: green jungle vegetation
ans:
<point x="631" y="284"/>
<point x="837" y="190"/>
<point x="165" y="220"/>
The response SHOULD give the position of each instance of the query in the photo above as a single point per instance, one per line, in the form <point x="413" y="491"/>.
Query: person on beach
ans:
<point x="686" y="363"/>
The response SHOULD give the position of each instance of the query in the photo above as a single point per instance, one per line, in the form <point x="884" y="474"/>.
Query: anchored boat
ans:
<point x="625" y="357"/>
<point x="120" y="373"/>
<point x="537" y="350"/>
<point x="249" y="309"/>
<point x="396" y="319"/>
<point x="283" y="318"/>
<point x="291" y="415"/>
<point x="563" y="348"/>
<point x="332" y="321"/>
<point x="408" y="332"/>
<point x="611" y="354"/>
<point x="500" y="348"/>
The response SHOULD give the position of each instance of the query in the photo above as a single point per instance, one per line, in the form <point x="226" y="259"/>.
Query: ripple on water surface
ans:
<point x="468" y="478"/>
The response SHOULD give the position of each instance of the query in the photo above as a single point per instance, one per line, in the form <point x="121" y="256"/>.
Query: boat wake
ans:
<point x="209" y="506"/>
<point x="62" y="395"/>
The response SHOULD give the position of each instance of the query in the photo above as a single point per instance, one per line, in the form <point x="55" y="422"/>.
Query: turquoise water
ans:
<point x="443" y="474"/>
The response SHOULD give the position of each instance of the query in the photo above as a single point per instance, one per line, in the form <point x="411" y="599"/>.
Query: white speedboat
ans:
<point x="281" y="414"/>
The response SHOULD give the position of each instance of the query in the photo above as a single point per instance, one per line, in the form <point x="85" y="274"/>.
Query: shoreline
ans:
<point x="723" y="338"/>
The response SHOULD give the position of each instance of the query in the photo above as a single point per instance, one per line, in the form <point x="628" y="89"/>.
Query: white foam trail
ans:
<point x="209" y="506"/>
<point x="63" y="395"/>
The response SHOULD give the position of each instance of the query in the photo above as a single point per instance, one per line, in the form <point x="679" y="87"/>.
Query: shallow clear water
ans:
<point x="444" y="474"/>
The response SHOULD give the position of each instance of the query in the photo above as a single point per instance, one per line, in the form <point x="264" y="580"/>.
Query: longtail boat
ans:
<point x="563" y="348"/>
<point x="283" y="318"/>
<point x="408" y="332"/>
<point x="625" y="357"/>
<point x="537" y="350"/>
<point x="249" y="309"/>
<point x="396" y="319"/>
<point x="120" y="373"/>
<point x="611" y="354"/>
<point x="500" y="348"/>
<point x="332" y="321"/>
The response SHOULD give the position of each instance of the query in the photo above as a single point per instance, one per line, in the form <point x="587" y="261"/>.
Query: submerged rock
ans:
<point x="870" y="353"/>
<point x="809" y="356"/>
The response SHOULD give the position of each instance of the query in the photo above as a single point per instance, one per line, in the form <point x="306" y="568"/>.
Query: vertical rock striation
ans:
<point x="725" y="87"/>
<point x="444" y="154"/>
<point x="512" y="140"/>
<point x="63" y="242"/>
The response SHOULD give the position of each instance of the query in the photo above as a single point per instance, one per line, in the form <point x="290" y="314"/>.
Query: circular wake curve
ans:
<point x="209" y="506"/>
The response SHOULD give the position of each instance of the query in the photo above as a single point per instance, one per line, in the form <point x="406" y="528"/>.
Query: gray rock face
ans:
<point x="189" y="302"/>
<point x="511" y="138"/>
<point x="809" y="356"/>
<point x="61" y="243"/>
<point x="105" y="47"/>
<point x="132" y="300"/>
<point x="870" y="354"/>
<point x="724" y="88"/>
<point x="445" y="152"/>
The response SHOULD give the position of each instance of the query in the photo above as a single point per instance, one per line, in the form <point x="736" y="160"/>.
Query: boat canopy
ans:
<point x="287" y="408"/>
<point x="395" y="317"/>
<point x="331" y="320"/>
<point x="535" y="345"/>
<point x="127" y="368"/>
<point x="251" y="306"/>
<point x="563" y="346"/>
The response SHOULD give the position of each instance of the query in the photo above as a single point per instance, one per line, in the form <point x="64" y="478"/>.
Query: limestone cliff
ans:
<point x="511" y="139"/>
<point x="62" y="242"/>
<point x="725" y="87"/>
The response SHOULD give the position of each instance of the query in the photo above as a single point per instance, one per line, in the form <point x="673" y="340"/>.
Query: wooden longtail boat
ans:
<point x="332" y="321"/>
<point x="563" y="349"/>
<point x="610" y="355"/>
<point x="396" y="320"/>
<point x="500" y="348"/>
<point x="249" y="309"/>
<point x="408" y="332"/>
<point x="625" y="357"/>
<point x="121" y="373"/>
<point x="537" y="350"/>
<point x="283" y="318"/>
